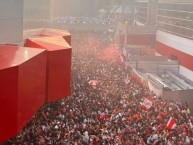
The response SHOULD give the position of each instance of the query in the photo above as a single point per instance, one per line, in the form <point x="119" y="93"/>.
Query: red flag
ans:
<point x="44" y="115"/>
<point x="102" y="116"/>
<point x="171" y="124"/>
<point x="118" y="139"/>
<point x="122" y="57"/>
<point x="147" y="103"/>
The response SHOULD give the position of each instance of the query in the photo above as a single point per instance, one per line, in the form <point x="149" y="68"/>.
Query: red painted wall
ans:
<point x="58" y="67"/>
<point x="59" y="70"/>
<point x="29" y="43"/>
<point x="184" y="59"/>
<point x="22" y="87"/>
<point x="32" y="85"/>
<point x="68" y="39"/>
<point x="8" y="103"/>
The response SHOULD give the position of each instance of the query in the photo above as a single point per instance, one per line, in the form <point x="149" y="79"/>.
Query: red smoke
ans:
<point x="110" y="53"/>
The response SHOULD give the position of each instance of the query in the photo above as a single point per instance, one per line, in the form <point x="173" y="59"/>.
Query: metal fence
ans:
<point x="154" y="64"/>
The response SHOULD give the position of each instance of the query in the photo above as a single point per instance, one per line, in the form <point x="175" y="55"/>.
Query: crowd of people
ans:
<point x="110" y="112"/>
<point x="86" y="20"/>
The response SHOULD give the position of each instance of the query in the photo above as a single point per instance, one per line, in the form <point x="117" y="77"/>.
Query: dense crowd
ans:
<point x="109" y="113"/>
<point x="86" y="20"/>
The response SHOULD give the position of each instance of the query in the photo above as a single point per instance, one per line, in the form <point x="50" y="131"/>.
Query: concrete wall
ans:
<point x="36" y="14"/>
<point x="11" y="21"/>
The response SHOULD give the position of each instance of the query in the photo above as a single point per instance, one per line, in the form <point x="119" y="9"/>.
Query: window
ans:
<point x="176" y="18"/>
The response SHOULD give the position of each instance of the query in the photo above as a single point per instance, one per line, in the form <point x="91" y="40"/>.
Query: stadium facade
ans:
<point x="174" y="22"/>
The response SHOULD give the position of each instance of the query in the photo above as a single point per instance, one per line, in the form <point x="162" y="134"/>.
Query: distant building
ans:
<point x="174" y="38"/>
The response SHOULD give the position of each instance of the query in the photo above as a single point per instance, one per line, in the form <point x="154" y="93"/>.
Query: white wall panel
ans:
<point x="157" y="54"/>
<point x="36" y="14"/>
<point x="11" y="30"/>
<point x="186" y="72"/>
<point x="139" y="24"/>
<point x="11" y="9"/>
<point x="179" y="43"/>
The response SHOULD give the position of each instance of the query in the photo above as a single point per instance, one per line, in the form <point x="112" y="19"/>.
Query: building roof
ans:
<point x="11" y="56"/>
<point x="51" y="43"/>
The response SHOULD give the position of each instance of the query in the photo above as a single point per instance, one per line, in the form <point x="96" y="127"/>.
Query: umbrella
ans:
<point x="93" y="83"/>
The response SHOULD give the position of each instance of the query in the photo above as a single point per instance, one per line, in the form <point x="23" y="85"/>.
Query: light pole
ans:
<point x="126" y="37"/>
